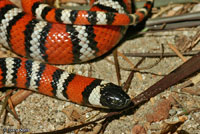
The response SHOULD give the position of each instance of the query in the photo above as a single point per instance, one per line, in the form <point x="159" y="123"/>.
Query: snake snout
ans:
<point x="113" y="97"/>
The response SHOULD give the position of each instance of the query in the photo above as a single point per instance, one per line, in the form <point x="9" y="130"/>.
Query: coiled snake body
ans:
<point x="82" y="36"/>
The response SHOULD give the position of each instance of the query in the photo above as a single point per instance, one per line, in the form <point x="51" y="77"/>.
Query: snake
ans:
<point x="43" y="35"/>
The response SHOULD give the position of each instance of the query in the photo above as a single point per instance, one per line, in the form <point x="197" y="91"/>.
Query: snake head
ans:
<point x="103" y="94"/>
<point x="113" y="97"/>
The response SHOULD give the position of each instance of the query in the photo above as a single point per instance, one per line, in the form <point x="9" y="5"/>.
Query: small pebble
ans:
<point x="172" y="112"/>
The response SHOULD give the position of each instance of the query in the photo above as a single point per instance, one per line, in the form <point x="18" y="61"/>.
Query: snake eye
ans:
<point x="114" y="97"/>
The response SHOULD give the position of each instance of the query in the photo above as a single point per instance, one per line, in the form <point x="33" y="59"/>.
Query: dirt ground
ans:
<point x="174" y="108"/>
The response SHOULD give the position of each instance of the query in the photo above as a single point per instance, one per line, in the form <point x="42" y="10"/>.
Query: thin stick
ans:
<point x="117" y="67"/>
<point x="190" y="66"/>
<point x="156" y="55"/>
<point x="173" y="19"/>
<point x="174" y="25"/>
<point x="177" y="52"/>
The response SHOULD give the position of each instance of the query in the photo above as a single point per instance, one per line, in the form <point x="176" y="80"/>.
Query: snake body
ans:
<point x="68" y="36"/>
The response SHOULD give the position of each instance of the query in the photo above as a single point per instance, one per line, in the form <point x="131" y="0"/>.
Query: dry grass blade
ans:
<point x="126" y="59"/>
<point x="7" y="94"/>
<point x="189" y="111"/>
<point x="9" y="108"/>
<point x="5" y="103"/>
<point x="131" y="64"/>
<point x="12" y="106"/>
<point x="177" y="52"/>
<point x="192" y="91"/>
<point x="130" y="77"/>
<point x="13" y="112"/>
<point x="171" y="127"/>
<point x="137" y="69"/>
<point x="191" y="42"/>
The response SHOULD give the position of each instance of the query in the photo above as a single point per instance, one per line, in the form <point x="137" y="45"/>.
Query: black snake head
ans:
<point x="113" y="97"/>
